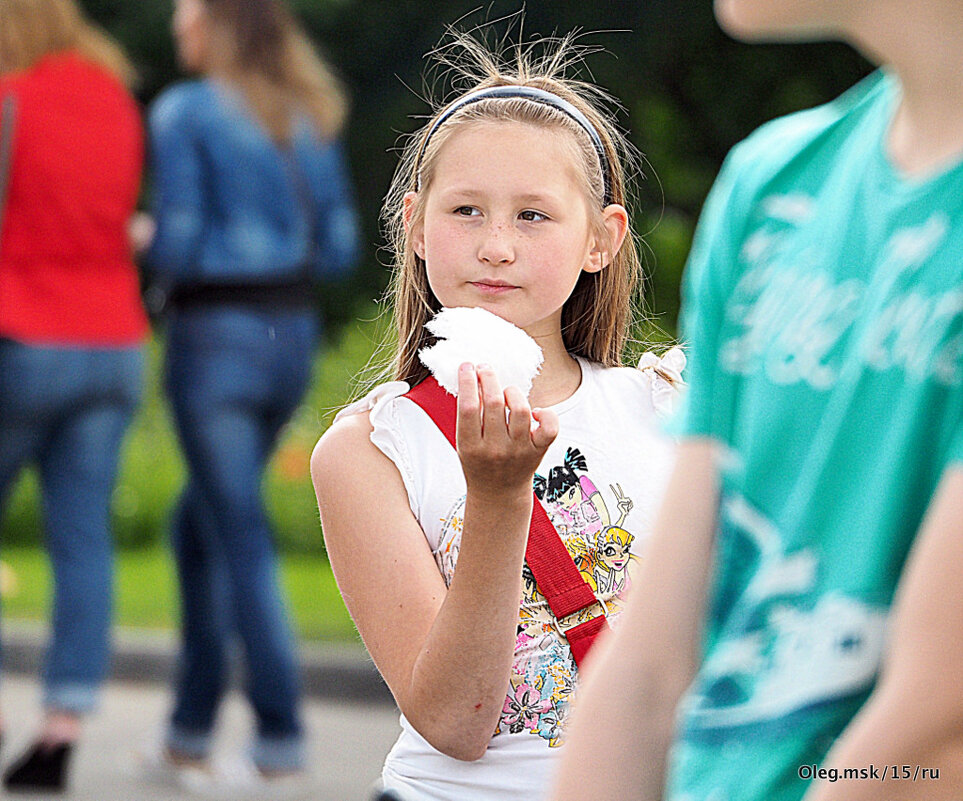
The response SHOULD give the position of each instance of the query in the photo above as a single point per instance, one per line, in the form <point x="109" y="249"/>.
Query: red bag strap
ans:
<point x="556" y="575"/>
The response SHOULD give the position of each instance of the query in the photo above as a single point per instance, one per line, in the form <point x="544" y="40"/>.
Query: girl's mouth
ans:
<point x="491" y="287"/>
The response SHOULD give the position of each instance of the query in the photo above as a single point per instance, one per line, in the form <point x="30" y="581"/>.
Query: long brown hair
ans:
<point x="597" y="316"/>
<point x="258" y="46"/>
<point x="32" y="29"/>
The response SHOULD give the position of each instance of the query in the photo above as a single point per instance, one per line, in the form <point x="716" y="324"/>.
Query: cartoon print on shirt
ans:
<point x="573" y="502"/>
<point x="612" y="560"/>
<point x="544" y="671"/>
<point x="534" y="615"/>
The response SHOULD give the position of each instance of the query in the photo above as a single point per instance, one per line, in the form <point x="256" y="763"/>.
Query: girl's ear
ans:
<point x="416" y="234"/>
<point x="615" y="220"/>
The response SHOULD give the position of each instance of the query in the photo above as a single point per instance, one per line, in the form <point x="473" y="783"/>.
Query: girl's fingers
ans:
<point x="468" y="422"/>
<point x="492" y="401"/>
<point x="496" y="423"/>
<point x="519" y="413"/>
<point x="547" y="430"/>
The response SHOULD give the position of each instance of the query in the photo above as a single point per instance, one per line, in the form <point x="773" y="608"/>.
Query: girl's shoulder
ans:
<point x="359" y="429"/>
<point x="376" y="398"/>
<point x="366" y="448"/>
<point x="396" y="423"/>
<point x="385" y="421"/>
<point x="375" y="414"/>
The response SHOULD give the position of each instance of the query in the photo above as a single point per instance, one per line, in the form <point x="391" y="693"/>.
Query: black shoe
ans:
<point x="43" y="767"/>
<point x="388" y="795"/>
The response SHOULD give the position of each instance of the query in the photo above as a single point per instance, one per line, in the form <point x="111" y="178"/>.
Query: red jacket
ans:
<point x="66" y="272"/>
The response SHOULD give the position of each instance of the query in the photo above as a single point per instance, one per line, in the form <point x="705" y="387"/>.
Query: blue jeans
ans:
<point x="235" y="375"/>
<point x="66" y="410"/>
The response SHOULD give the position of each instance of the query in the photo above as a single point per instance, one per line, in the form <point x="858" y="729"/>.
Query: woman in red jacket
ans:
<point x="71" y="330"/>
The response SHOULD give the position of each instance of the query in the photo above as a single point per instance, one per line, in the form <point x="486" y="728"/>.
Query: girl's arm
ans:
<point x="914" y="717"/>
<point x="626" y="704"/>
<point x="446" y="655"/>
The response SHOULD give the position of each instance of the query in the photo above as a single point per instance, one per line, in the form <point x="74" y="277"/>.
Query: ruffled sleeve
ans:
<point x="382" y="406"/>
<point x="667" y="382"/>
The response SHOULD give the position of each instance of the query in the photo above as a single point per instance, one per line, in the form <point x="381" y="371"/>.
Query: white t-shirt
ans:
<point x="600" y="482"/>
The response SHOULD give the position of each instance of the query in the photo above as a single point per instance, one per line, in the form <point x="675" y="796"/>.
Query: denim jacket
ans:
<point x="231" y="206"/>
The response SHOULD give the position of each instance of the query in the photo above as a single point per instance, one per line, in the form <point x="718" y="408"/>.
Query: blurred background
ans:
<point x="688" y="94"/>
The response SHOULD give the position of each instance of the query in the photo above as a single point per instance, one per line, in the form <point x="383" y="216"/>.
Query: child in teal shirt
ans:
<point x="798" y="634"/>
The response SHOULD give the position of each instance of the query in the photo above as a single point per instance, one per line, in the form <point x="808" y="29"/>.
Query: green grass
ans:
<point x="145" y="589"/>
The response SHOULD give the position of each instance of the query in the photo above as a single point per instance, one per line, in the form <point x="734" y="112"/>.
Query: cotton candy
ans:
<point x="480" y="337"/>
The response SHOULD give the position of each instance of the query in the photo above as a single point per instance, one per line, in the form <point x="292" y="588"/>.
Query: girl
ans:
<point x="826" y="321"/>
<point x="511" y="199"/>
<point x="71" y="330"/>
<point x="239" y="249"/>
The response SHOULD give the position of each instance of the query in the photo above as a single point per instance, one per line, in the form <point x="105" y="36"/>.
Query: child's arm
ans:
<point x="445" y="654"/>
<point x="914" y="717"/>
<point x="625" y="711"/>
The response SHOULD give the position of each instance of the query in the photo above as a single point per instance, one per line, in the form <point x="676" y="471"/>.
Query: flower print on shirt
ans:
<point x="595" y="534"/>
<point x="524" y="706"/>
<point x="446" y="557"/>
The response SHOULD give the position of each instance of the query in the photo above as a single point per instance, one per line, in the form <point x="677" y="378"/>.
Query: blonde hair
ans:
<point x="32" y="29"/>
<point x="614" y="534"/>
<point x="258" y="46"/>
<point x="597" y="316"/>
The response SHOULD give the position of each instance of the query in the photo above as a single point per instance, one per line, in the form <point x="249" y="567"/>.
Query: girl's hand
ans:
<point x="497" y="444"/>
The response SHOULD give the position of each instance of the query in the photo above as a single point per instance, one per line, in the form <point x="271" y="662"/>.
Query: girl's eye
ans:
<point x="532" y="216"/>
<point x="466" y="211"/>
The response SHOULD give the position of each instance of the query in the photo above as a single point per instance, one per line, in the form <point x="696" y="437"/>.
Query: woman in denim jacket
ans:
<point x="253" y="208"/>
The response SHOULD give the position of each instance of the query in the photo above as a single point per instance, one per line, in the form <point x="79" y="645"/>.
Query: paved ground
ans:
<point x="328" y="671"/>
<point x="348" y="741"/>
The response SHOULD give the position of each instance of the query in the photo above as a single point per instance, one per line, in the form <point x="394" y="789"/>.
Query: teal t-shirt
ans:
<point x="824" y="313"/>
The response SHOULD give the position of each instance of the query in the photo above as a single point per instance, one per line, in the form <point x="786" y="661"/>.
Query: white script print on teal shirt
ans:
<point x="792" y="316"/>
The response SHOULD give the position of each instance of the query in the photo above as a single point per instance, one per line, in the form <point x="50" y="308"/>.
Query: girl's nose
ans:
<point x="497" y="246"/>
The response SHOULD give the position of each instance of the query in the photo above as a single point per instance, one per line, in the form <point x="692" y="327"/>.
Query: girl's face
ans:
<point x="506" y="226"/>
<point x="190" y="28"/>
<point x="798" y="20"/>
